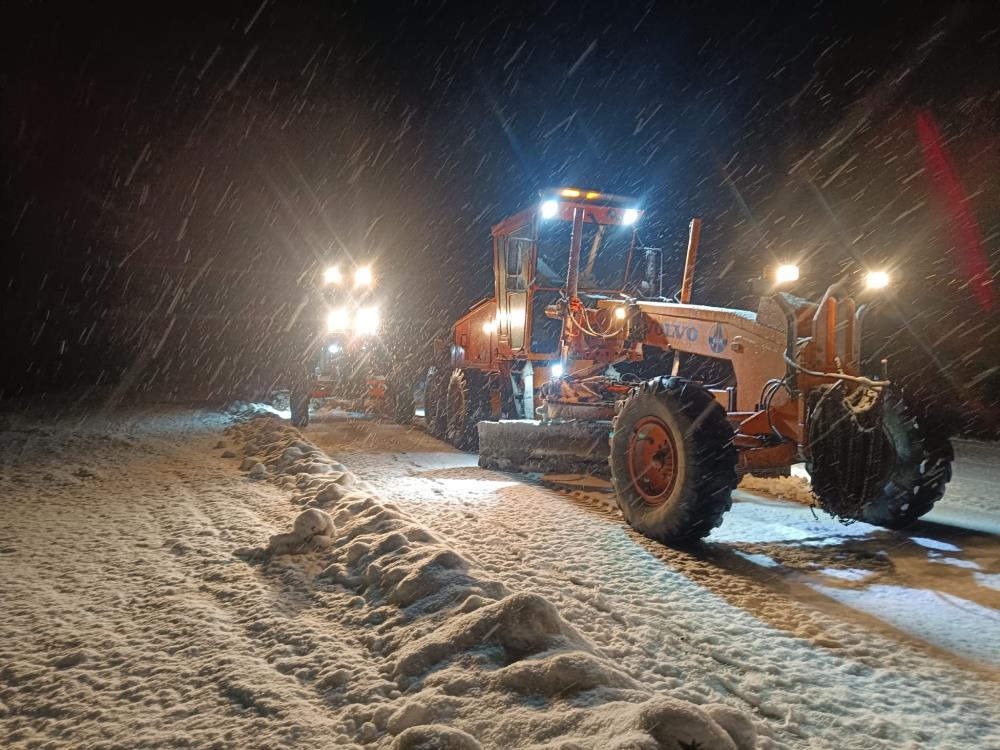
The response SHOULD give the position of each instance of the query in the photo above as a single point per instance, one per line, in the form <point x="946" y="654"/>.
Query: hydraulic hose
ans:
<point x="861" y="380"/>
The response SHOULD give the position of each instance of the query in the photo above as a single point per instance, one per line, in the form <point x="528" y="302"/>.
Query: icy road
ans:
<point x="128" y="621"/>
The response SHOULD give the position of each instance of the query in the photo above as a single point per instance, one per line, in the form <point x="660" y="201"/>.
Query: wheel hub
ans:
<point x="652" y="460"/>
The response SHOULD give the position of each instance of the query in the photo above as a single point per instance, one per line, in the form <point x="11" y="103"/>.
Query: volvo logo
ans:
<point x="717" y="341"/>
<point x="678" y="331"/>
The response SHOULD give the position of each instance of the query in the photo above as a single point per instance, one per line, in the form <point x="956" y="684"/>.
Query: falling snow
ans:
<point x="174" y="181"/>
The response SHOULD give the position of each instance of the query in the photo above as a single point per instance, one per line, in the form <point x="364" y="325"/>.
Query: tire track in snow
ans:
<point x="126" y="617"/>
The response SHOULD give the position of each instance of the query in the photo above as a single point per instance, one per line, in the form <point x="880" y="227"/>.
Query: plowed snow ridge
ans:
<point x="462" y="652"/>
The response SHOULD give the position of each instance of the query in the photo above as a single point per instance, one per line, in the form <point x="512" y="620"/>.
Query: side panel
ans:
<point x="476" y="335"/>
<point x="756" y="351"/>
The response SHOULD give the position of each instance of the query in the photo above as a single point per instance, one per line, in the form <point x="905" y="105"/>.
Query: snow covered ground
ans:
<point x="448" y="603"/>
<point x="127" y="621"/>
<point x="836" y="636"/>
<point x="158" y="596"/>
<point x="972" y="500"/>
<point x="976" y="484"/>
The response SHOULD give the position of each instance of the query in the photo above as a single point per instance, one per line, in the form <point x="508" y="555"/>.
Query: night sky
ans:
<point x="172" y="174"/>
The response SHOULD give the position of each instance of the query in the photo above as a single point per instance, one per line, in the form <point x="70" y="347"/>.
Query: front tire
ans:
<point x="468" y="403"/>
<point x="673" y="461"/>
<point x="920" y="471"/>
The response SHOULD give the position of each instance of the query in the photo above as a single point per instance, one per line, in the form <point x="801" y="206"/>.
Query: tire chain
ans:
<point x="849" y="450"/>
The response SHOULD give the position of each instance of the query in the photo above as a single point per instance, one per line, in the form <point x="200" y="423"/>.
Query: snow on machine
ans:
<point x="579" y="363"/>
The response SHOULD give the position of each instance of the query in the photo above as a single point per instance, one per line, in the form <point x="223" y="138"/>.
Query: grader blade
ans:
<point x="577" y="447"/>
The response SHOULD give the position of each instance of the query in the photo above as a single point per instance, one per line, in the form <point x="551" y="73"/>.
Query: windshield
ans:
<point x="603" y="255"/>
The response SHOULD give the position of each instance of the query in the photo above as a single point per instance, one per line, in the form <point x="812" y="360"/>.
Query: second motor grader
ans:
<point x="580" y="363"/>
<point x="346" y="359"/>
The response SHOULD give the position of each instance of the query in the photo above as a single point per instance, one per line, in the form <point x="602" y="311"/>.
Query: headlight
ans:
<point x="631" y="216"/>
<point x="366" y="321"/>
<point x="338" y="320"/>
<point x="556" y="370"/>
<point x="786" y="273"/>
<point x="332" y="276"/>
<point x="363" y="277"/>
<point x="620" y="313"/>
<point x="877" y="280"/>
<point x="549" y="209"/>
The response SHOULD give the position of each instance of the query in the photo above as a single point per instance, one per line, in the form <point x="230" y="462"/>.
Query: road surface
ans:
<point x="845" y="636"/>
<point x="129" y="622"/>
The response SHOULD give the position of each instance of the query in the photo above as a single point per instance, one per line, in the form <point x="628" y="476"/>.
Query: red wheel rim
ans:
<point x="652" y="460"/>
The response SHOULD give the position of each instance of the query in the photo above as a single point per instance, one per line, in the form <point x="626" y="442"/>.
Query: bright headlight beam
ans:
<point x="620" y="313"/>
<point x="556" y="370"/>
<point x="785" y="273"/>
<point x="877" y="280"/>
<point x="366" y="321"/>
<point x="550" y="209"/>
<point x="631" y="216"/>
<point x="332" y="275"/>
<point x="363" y="276"/>
<point x="338" y="320"/>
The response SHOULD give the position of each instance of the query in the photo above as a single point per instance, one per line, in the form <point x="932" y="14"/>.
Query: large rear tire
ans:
<point x="921" y="469"/>
<point x="435" y="404"/>
<point x="673" y="461"/>
<point x="468" y="403"/>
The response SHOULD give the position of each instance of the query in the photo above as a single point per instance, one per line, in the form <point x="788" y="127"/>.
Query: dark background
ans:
<point x="171" y="172"/>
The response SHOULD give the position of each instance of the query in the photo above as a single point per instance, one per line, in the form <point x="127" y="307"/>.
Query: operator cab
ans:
<point x="533" y="251"/>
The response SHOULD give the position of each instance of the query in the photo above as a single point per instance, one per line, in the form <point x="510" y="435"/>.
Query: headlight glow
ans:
<point x="631" y="216"/>
<point x="556" y="370"/>
<point x="338" y="320"/>
<point x="366" y="321"/>
<point x="549" y="209"/>
<point x="363" y="277"/>
<point x="620" y="313"/>
<point x="786" y="273"/>
<point x="332" y="275"/>
<point x="877" y="280"/>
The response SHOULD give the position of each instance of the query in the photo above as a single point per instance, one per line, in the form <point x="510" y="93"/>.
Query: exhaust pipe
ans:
<point x="694" y="237"/>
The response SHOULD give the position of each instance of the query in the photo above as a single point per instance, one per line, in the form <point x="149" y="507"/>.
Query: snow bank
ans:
<point x="469" y="662"/>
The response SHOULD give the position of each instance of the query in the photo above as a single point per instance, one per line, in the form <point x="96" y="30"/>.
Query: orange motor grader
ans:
<point x="579" y="363"/>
